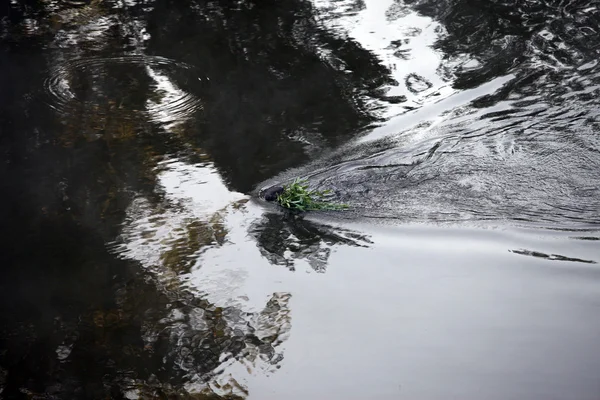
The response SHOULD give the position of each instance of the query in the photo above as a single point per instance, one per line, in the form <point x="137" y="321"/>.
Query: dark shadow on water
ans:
<point x="552" y="257"/>
<point x="275" y="98"/>
<point x="502" y="35"/>
<point x="285" y="238"/>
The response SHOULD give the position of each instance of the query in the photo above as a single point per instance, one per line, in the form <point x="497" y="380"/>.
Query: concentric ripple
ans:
<point x="156" y="86"/>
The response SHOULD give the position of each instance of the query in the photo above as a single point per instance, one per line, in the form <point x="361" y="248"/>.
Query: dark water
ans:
<point x="137" y="261"/>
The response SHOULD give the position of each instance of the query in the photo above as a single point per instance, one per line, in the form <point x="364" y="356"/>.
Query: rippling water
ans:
<point x="139" y="262"/>
<point x="90" y="84"/>
<point x="521" y="146"/>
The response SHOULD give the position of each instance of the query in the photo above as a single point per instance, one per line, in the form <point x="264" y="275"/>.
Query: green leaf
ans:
<point x="298" y="196"/>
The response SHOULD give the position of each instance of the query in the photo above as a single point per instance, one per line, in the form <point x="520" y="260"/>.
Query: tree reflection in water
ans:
<point x="272" y="91"/>
<point x="283" y="239"/>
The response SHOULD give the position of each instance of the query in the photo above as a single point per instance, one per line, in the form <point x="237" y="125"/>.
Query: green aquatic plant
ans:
<point x="297" y="196"/>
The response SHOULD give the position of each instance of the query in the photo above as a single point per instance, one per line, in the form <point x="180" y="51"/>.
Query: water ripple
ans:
<point x="110" y="84"/>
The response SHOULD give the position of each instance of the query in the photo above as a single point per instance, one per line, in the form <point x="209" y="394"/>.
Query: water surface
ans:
<point x="139" y="262"/>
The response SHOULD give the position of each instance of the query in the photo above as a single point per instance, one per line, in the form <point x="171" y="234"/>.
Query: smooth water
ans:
<point x="139" y="262"/>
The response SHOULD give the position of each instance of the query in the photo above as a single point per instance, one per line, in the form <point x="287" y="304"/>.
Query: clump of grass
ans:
<point x="297" y="196"/>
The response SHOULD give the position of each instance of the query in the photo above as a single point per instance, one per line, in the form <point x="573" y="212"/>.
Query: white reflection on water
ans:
<point x="425" y="312"/>
<point x="451" y="306"/>
<point x="173" y="105"/>
<point x="191" y="193"/>
<point x="403" y="41"/>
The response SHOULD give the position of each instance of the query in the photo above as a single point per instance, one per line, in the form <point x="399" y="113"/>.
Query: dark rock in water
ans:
<point x="271" y="193"/>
